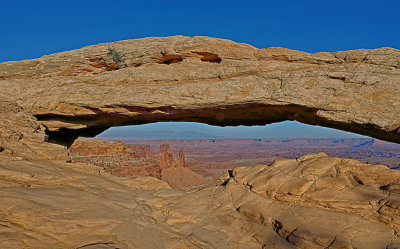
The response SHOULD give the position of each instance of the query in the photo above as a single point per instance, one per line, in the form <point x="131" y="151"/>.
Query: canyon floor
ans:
<point x="212" y="157"/>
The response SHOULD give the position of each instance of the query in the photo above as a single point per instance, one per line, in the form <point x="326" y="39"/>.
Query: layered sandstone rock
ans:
<point x="181" y="159"/>
<point x="317" y="201"/>
<point x="175" y="173"/>
<point x="209" y="80"/>
<point x="96" y="147"/>
<point x="312" y="202"/>
<point x="182" y="177"/>
<point x="22" y="136"/>
<point x="128" y="160"/>
<point x="163" y="148"/>
<point x="167" y="157"/>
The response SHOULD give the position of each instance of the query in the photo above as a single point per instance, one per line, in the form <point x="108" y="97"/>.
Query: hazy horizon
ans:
<point x="192" y="130"/>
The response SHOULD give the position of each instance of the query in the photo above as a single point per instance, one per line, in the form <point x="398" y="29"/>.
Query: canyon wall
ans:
<point x="132" y="160"/>
<point x="86" y="147"/>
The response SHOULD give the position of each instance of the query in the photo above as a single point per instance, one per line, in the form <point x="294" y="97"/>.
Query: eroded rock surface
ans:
<point x="311" y="202"/>
<point x="317" y="201"/>
<point x="210" y="80"/>
<point x="24" y="137"/>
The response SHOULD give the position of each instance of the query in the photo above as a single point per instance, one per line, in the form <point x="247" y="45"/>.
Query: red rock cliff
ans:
<point x="85" y="147"/>
<point x="128" y="160"/>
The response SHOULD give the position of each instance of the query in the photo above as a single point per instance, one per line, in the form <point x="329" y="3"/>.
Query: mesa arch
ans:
<point x="209" y="80"/>
<point x="213" y="81"/>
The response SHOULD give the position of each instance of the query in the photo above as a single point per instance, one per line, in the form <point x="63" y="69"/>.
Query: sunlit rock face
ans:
<point x="209" y="80"/>
<point x="312" y="202"/>
<point x="315" y="201"/>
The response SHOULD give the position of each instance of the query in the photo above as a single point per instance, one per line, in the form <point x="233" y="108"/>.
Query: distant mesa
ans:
<point x="128" y="160"/>
<point x="366" y="143"/>
<point x="84" y="147"/>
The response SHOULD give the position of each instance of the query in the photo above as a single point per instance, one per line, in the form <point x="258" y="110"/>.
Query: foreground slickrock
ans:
<point x="311" y="202"/>
<point x="315" y="201"/>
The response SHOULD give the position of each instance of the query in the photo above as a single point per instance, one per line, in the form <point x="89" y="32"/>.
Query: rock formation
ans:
<point x="96" y="147"/>
<point x="210" y="80"/>
<point x="318" y="201"/>
<point x="163" y="148"/>
<point x="128" y="160"/>
<point x="167" y="157"/>
<point x="176" y="174"/>
<point x="22" y="136"/>
<point x="181" y="160"/>
<point x="312" y="202"/>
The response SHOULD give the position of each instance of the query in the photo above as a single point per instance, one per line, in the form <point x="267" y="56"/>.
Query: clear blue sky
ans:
<point x="30" y="29"/>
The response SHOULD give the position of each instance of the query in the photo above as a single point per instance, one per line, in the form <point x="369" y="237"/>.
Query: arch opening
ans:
<point x="198" y="151"/>
<point x="64" y="129"/>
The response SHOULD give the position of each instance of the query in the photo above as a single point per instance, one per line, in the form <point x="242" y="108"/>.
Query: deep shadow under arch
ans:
<point x="233" y="115"/>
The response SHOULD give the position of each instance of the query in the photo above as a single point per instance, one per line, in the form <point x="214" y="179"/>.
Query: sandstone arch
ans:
<point x="350" y="90"/>
<point x="208" y="80"/>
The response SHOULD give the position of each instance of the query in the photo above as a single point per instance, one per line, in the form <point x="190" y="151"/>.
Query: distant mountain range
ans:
<point x="180" y="135"/>
<point x="192" y="130"/>
<point x="163" y="134"/>
<point x="166" y="134"/>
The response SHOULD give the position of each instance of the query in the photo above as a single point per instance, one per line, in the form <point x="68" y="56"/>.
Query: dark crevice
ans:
<point x="209" y="57"/>
<point x="67" y="137"/>
<point x="170" y="58"/>
<point x="227" y="180"/>
<point x="244" y="114"/>
<point x="101" y="63"/>
<point x="385" y="187"/>
<point x="277" y="226"/>
<point x="105" y="245"/>
<point x="358" y="180"/>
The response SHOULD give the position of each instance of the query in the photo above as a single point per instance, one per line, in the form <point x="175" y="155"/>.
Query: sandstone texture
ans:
<point x="317" y="201"/>
<point x="210" y="80"/>
<point x="22" y="136"/>
<point x="314" y="201"/>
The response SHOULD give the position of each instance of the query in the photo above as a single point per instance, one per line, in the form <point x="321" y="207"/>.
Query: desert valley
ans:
<point x="210" y="158"/>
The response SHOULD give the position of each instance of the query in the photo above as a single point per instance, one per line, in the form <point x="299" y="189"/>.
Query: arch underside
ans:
<point x="233" y="115"/>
